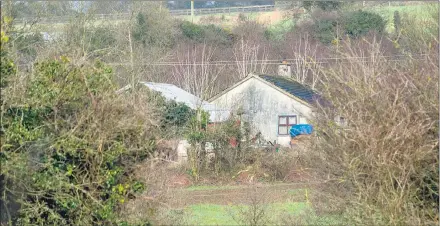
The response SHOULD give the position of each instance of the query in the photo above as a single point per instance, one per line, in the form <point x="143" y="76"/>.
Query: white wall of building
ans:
<point x="262" y="104"/>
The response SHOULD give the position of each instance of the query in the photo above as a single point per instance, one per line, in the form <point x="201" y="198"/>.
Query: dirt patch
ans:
<point x="243" y="178"/>
<point x="181" y="180"/>
<point x="162" y="176"/>
<point x="298" y="176"/>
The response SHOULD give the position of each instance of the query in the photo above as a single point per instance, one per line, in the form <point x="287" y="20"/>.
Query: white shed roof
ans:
<point x="172" y="92"/>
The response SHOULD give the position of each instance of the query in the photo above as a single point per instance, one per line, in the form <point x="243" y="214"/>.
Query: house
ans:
<point x="172" y="92"/>
<point x="272" y="104"/>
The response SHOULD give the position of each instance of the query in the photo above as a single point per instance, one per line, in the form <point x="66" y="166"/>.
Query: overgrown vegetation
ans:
<point x="323" y="5"/>
<point x="74" y="151"/>
<point x="360" y="23"/>
<point x="67" y="145"/>
<point x="387" y="154"/>
<point x="205" y="33"/>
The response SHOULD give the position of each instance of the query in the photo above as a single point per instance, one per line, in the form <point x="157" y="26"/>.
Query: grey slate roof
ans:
<point x="293" y="87"/>
<point x="172" y="92"/>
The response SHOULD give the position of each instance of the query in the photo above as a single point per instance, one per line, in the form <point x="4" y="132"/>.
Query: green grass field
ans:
<point x="421" y="12"/>
<point x="276" y="213"/>
<point x="293" y="208"/>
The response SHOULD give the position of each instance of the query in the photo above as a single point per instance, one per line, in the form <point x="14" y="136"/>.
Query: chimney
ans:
<point x="284" y="69"/>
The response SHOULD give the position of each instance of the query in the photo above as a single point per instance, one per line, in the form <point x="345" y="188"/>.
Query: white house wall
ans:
<point x="262" y="105"/>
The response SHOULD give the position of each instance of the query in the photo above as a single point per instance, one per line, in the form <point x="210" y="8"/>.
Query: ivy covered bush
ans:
<point x="192" y="31"/>
<point x="360" y="22"/>
<point x="7" y="65"/>
<point x="176" y="115"/>
<point x="68" y="147"/>
<point x="325" y="30"/>
<point x="173" y="117"/>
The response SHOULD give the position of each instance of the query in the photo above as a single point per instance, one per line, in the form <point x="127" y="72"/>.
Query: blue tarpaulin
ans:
<point x="301" y="129"/>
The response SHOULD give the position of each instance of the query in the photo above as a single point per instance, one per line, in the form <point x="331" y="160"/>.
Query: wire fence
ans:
<point x="177" y="12"/>
<point x="200" y="11"/>
<point x="324" y="60"/>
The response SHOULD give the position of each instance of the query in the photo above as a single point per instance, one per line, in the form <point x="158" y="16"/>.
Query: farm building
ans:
<point x="271" y="104"/>
<point x="172" y="92"/>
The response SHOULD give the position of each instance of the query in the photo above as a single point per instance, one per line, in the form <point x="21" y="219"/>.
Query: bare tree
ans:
<point x="386" y="154"/>
<point x="257" y="211"/>
<point x="250" y="57"/>
<point x="195" y="71"/>
<point x="304" y="62"/>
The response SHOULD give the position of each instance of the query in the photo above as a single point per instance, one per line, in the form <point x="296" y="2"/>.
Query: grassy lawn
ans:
<point x="412" y="10"/>
<point x="277" y="213"/>
<point x="291" y="208"/>
<point x="420" y="12"/>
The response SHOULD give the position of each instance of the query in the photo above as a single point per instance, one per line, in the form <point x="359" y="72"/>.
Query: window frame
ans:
<point x="287" y="123"/>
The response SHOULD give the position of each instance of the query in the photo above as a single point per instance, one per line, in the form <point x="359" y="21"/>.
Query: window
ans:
<point x="285" y="123"/>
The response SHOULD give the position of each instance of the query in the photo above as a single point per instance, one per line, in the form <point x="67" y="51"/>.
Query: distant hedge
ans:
<point x="359" y="23"/>
<point x="208" y="33"/>
<point x="354" y="24"/>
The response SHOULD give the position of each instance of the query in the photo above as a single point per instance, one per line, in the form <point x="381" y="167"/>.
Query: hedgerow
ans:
<point x="68" y="147"/>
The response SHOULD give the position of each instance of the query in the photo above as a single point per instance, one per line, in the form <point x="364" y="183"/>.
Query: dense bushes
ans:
<point x="154" y="29"/>
<point x="7" y="68"/>
<point x="176" y="115"/>
<point x="386" y="158"/>
<point x="192" y="31"/>
<point x="329" y="26"/>
<point x="205" y="33"/>
<point x="173" y="116"/>
<point x="101" y="38"/>
<point x="325" y="30"/>
<point x="359" y="23"/>
<point x="68" y="142"/>
<point x="67" y="149"/>
<point x="323" y="5"/>
<point x="27" y="45"/>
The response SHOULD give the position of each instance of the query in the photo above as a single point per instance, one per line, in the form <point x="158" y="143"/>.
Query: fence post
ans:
<point x="192" y="11"/>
